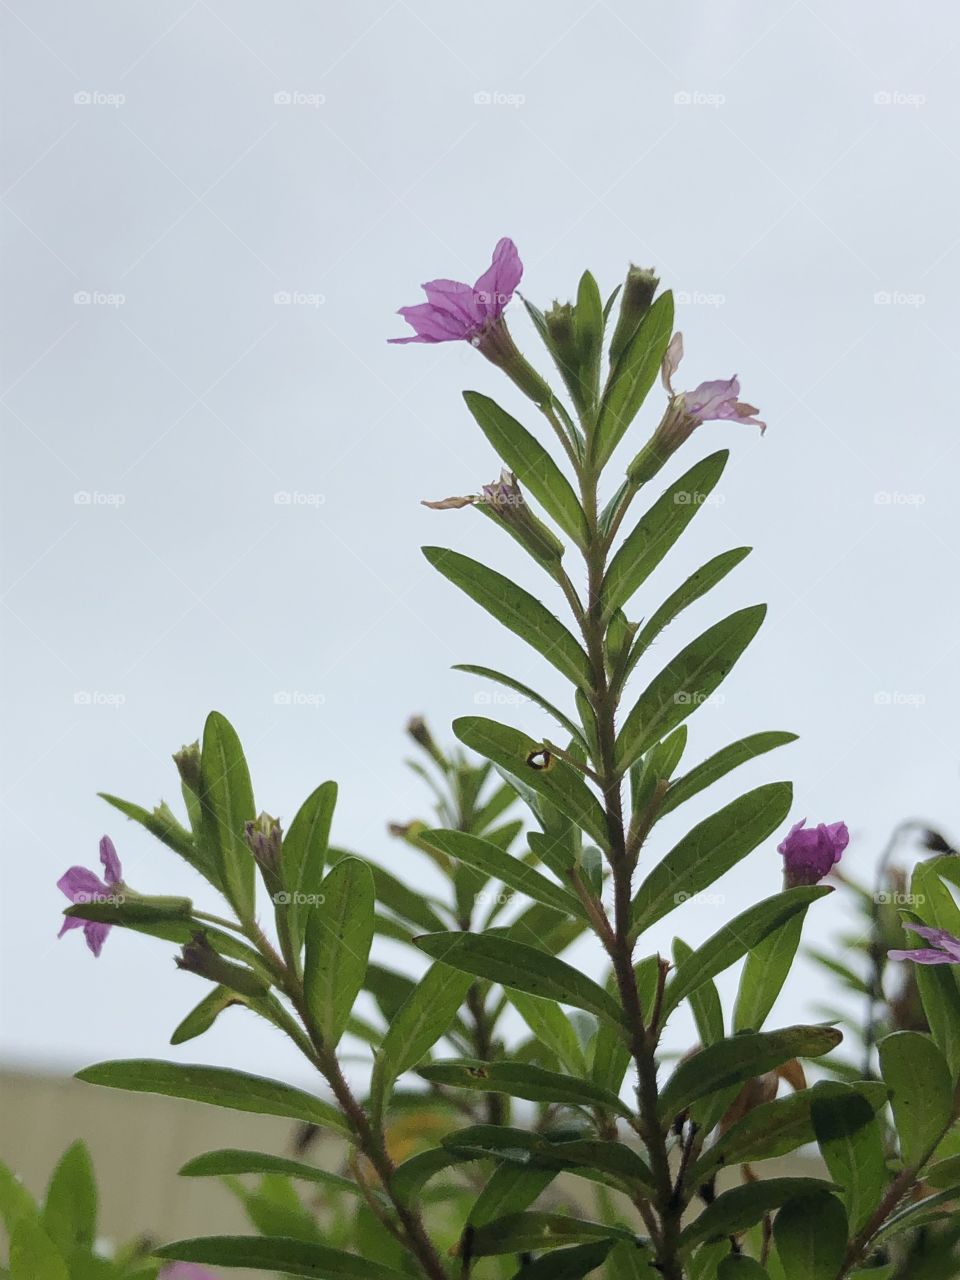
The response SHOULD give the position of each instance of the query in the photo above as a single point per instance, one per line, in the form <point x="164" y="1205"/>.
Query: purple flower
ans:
<point x="81" y="885"/>
<point x="945" y="949"/>
<point x="455" y="311"/>
<point x="716" y="401"/>
<point x="810" y="853"/>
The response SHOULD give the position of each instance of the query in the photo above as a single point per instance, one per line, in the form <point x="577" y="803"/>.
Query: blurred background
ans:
<point x="214" y="461"/>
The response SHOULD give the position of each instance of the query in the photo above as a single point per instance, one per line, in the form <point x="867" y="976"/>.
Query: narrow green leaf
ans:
<point x="719" y="765"/>
<point x="231" y="1161"/>
<point x="631" y="1262"/>
<point x="731" y="1061"/>
<point x="202" y="1016"/>
<point x="744" y="1206"/>
<point x="525" y="691"/>
<point x="218" y="1086"/>
<point x="851" y="1143"/>
<point x="558" y="782"/>
<point x="588" y="328"/>
<point x="403" y="900"/>
<point x="416" y="1027"/>
<point x="522" y="1080"/>
<point x="304" y="853"/>
<point x="552" y="1028"/>
<point x="632" y="377"/>
<point x="697" y="585"/>
<point x="811" y="1237"/>
<point x="338" y="937"/>
<point x="275" y="1253"/>
<point x="508" y="1188"/>
<point x="567" y="1264"/>
<point x="519" y="611"/>
<point x="709" y="850"/>
<point x="522" y="967"/>
<point x="520" y="1232"/>
<point x="657" y="530"/>
<point x="764" y="974"/>
<point x="704" y="999"/>
<point x="486" y="857"/>
<point x="70" y="1208"/>
<point x="227" y="804"/>
<point x="171" y="833"/>
<point x="33" y="1255"/>
<point x="15" y="1200"/>
<point x="922" y="1092"/>
<point x="530" y="462"/>
<point x="686" y="682"/>
<point x="919" y="1214"/>
<point x="736" y="938"/>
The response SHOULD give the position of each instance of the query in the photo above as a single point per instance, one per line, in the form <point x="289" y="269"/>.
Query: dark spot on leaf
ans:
<point x="540" y="759"/>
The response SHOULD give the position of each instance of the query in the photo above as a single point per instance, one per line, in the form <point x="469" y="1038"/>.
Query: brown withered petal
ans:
<point x="449" y="504"/>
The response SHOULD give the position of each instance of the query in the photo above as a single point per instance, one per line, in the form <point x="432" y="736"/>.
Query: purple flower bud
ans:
<point x="945" y="949"/>
<point x="265" y="840"/>
<point x="187" y="760"/>
<point x="82" y="885"/>
<point x="199" y="957"/>
<point x="810" y="853"/>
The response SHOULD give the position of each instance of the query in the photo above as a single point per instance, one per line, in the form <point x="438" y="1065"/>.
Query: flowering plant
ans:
<point x="449" y="1176"/>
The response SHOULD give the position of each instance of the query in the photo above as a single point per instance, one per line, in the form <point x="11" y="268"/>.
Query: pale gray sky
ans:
<point x="790" y="167"/>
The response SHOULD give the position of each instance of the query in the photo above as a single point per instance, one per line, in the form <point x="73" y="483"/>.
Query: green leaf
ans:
<point x="920" y="1213"/>
<point x="657" y="530"/>
<point x="33" y="1255"/>
<point x="217" y="1086"/>
<point x="764" y="974"/>
<point x="704" y="999"/>
<point x="686" y="682"/>
<point x="519" y="611"/>
<point x="720" y="764"/>
<point x="275" y="1253"/>
<point x="304" y="854"/>
<point x="231" y="1161"/>
<point x="525" y="691"/>
<point x="486" y="857"/>
<point x="737" y="1266"/>
<point x="521" y="1080"/>
<point x="403" y="900"/>
<point x="811" y="1237"/>
<point x="521" y="967"/>
<point x="567" y="1264"/>
<point x="743" y="1206"/>
<point x="558" y="782"/>
<point x="508" y="1188"/>
<point x="171" y="833"/>
<point x="519" y="1232"/>
<point x="202" y="1016"/>
<point x="945" y="1173"/>
<point x="416" y="1027"/>
<point x="15" y="1200"/>
<point x="129" y="911"/>
<point x="710" y="849"/>
<point x="922" y="1097"/>
<point x="697" y="585"/>
<point x="731" y="1061"/>
<point x="851" y="1144"/>
<point x="338" y="937"/>
<point x="227" y="804"/>
<point x="530" y="462"/>
<point x="552" y="1028"/>
<point x="631" y="1262"/>
<point x="737" y="937"/>
<point x="70" y="1209"/>
<point x="632" y="377"/>
<point x="410" y="1177"/>
<point x="588" y="327"/>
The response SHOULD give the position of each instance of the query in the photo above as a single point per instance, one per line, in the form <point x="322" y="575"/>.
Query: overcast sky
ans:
<point x="790" y="169"/>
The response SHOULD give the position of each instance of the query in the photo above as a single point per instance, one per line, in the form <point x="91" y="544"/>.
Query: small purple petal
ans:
<point x="71" y="922"/>
<point x="923" y="956"/>
<point x="809" y="853"/>
<point x="495" y="287"/>
<point x="96" y="935"/>
<point x="111" y="863"/>
<point x="81" y="885"/>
